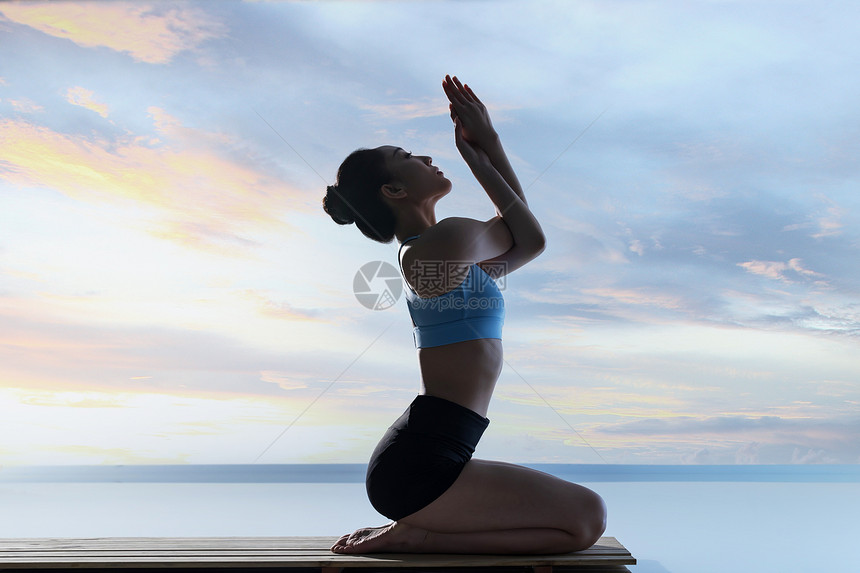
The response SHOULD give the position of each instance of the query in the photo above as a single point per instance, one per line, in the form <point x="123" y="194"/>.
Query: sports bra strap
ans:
<point x="401" y="248"/>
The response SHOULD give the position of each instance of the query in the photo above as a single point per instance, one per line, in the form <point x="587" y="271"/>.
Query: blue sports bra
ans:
<point x="474" y="309"/>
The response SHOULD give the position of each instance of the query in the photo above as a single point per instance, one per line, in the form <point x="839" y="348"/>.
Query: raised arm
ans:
<point x="478" y="129"/>
<point x="472" y="126"/>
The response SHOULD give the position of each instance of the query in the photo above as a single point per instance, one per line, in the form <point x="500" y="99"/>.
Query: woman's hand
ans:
<point x="475" y="124"/>
<point x="475" y="157"/>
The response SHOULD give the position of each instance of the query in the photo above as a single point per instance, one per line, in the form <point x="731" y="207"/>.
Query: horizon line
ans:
<point x="355" y="473"/>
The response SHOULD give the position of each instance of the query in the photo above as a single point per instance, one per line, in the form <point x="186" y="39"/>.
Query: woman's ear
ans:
<point x="393" y="191"/>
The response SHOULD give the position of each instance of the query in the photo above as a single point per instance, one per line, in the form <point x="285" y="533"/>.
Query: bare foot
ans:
<point x="392" y="538"/>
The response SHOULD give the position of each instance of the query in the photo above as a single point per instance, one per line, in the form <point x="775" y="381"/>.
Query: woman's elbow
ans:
<point x="538" y="245"/>
<point x="532" y="243"/>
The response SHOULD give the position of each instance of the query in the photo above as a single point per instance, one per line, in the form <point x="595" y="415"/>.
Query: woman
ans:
<point x="421" y="474"/>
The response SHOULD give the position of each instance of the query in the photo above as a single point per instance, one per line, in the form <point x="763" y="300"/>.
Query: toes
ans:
<point x="340" y="543"/>
<point x="362" y="540"/>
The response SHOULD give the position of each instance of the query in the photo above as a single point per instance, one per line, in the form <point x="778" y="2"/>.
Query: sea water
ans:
<point x="676" y="519"/>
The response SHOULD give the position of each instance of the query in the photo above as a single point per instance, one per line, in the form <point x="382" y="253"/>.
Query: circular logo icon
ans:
<point x="377" y="285"/>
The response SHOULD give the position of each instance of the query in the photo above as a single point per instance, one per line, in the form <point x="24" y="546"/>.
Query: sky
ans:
<point x="172" y="292"/>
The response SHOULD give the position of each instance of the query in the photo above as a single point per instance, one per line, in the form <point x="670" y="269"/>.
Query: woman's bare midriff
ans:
<point x="463" y="372"/>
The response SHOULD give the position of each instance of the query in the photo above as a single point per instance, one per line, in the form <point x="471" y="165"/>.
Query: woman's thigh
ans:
<point x="491" y="496"/>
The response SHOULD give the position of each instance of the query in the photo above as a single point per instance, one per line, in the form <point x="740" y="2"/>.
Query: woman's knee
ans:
<point x="598" y="518"/>
<point x="588" y="522"/>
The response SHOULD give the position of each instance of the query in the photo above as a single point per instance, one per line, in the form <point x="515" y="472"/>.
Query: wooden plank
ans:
<point x="226" y="552"/>
<point x="205" y="543"/>
<point x="605" y="545"/>
<point x="255" y="552"/>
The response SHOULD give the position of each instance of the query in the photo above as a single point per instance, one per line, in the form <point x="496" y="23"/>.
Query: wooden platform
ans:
<point x="296" y="553"/>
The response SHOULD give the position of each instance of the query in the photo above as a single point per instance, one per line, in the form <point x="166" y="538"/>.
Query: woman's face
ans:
<point x="415" y="173"/>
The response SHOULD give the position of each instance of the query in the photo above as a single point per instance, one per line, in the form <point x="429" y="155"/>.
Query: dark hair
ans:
<point x="356" y="196"/>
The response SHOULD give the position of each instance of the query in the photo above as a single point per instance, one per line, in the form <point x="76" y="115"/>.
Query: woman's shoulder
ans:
<point x="447" y="230"/>
<point x="448" y="226"/>
<point x="452" y="231"/>
<point x="463" y="239"/>
<point x="439" y="241"/>
<point x="430" y="261"/>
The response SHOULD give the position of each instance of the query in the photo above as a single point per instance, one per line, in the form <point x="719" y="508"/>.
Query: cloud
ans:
<point x="194" y="190"/>
<point x="61" y="354"/>
<point x="141" y="427"/>
<point x="83" y="97"/>
<point x="830" y="223"/>
<point x="605" y="401"/>
<point x="637" y="247"/>
<point x="807" y="312"/>
<point x="748" y="453"/>
<point x="745" y="439"/>
<point x="812" y="456"/>
<point x="425" y="107"/>
<point x="632" y="296"/>
<point x="283" y="310"/>
<point x="25" y="105"/>
<point x="769" y="269"/>
<point x="73" y="399"/>
<point x="765" y="428"/>
<point x="97" y="455"/>
<point x="283" y="380"/>
<point x="777" y="270"/>
<point x="153" y="33"/>
<point x="689" y="425"/>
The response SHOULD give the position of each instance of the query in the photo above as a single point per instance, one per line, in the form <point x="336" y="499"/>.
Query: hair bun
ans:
<point x="334" y="205"/>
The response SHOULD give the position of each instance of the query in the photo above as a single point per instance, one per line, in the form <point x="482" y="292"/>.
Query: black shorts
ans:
<point x="421" y="455"/>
